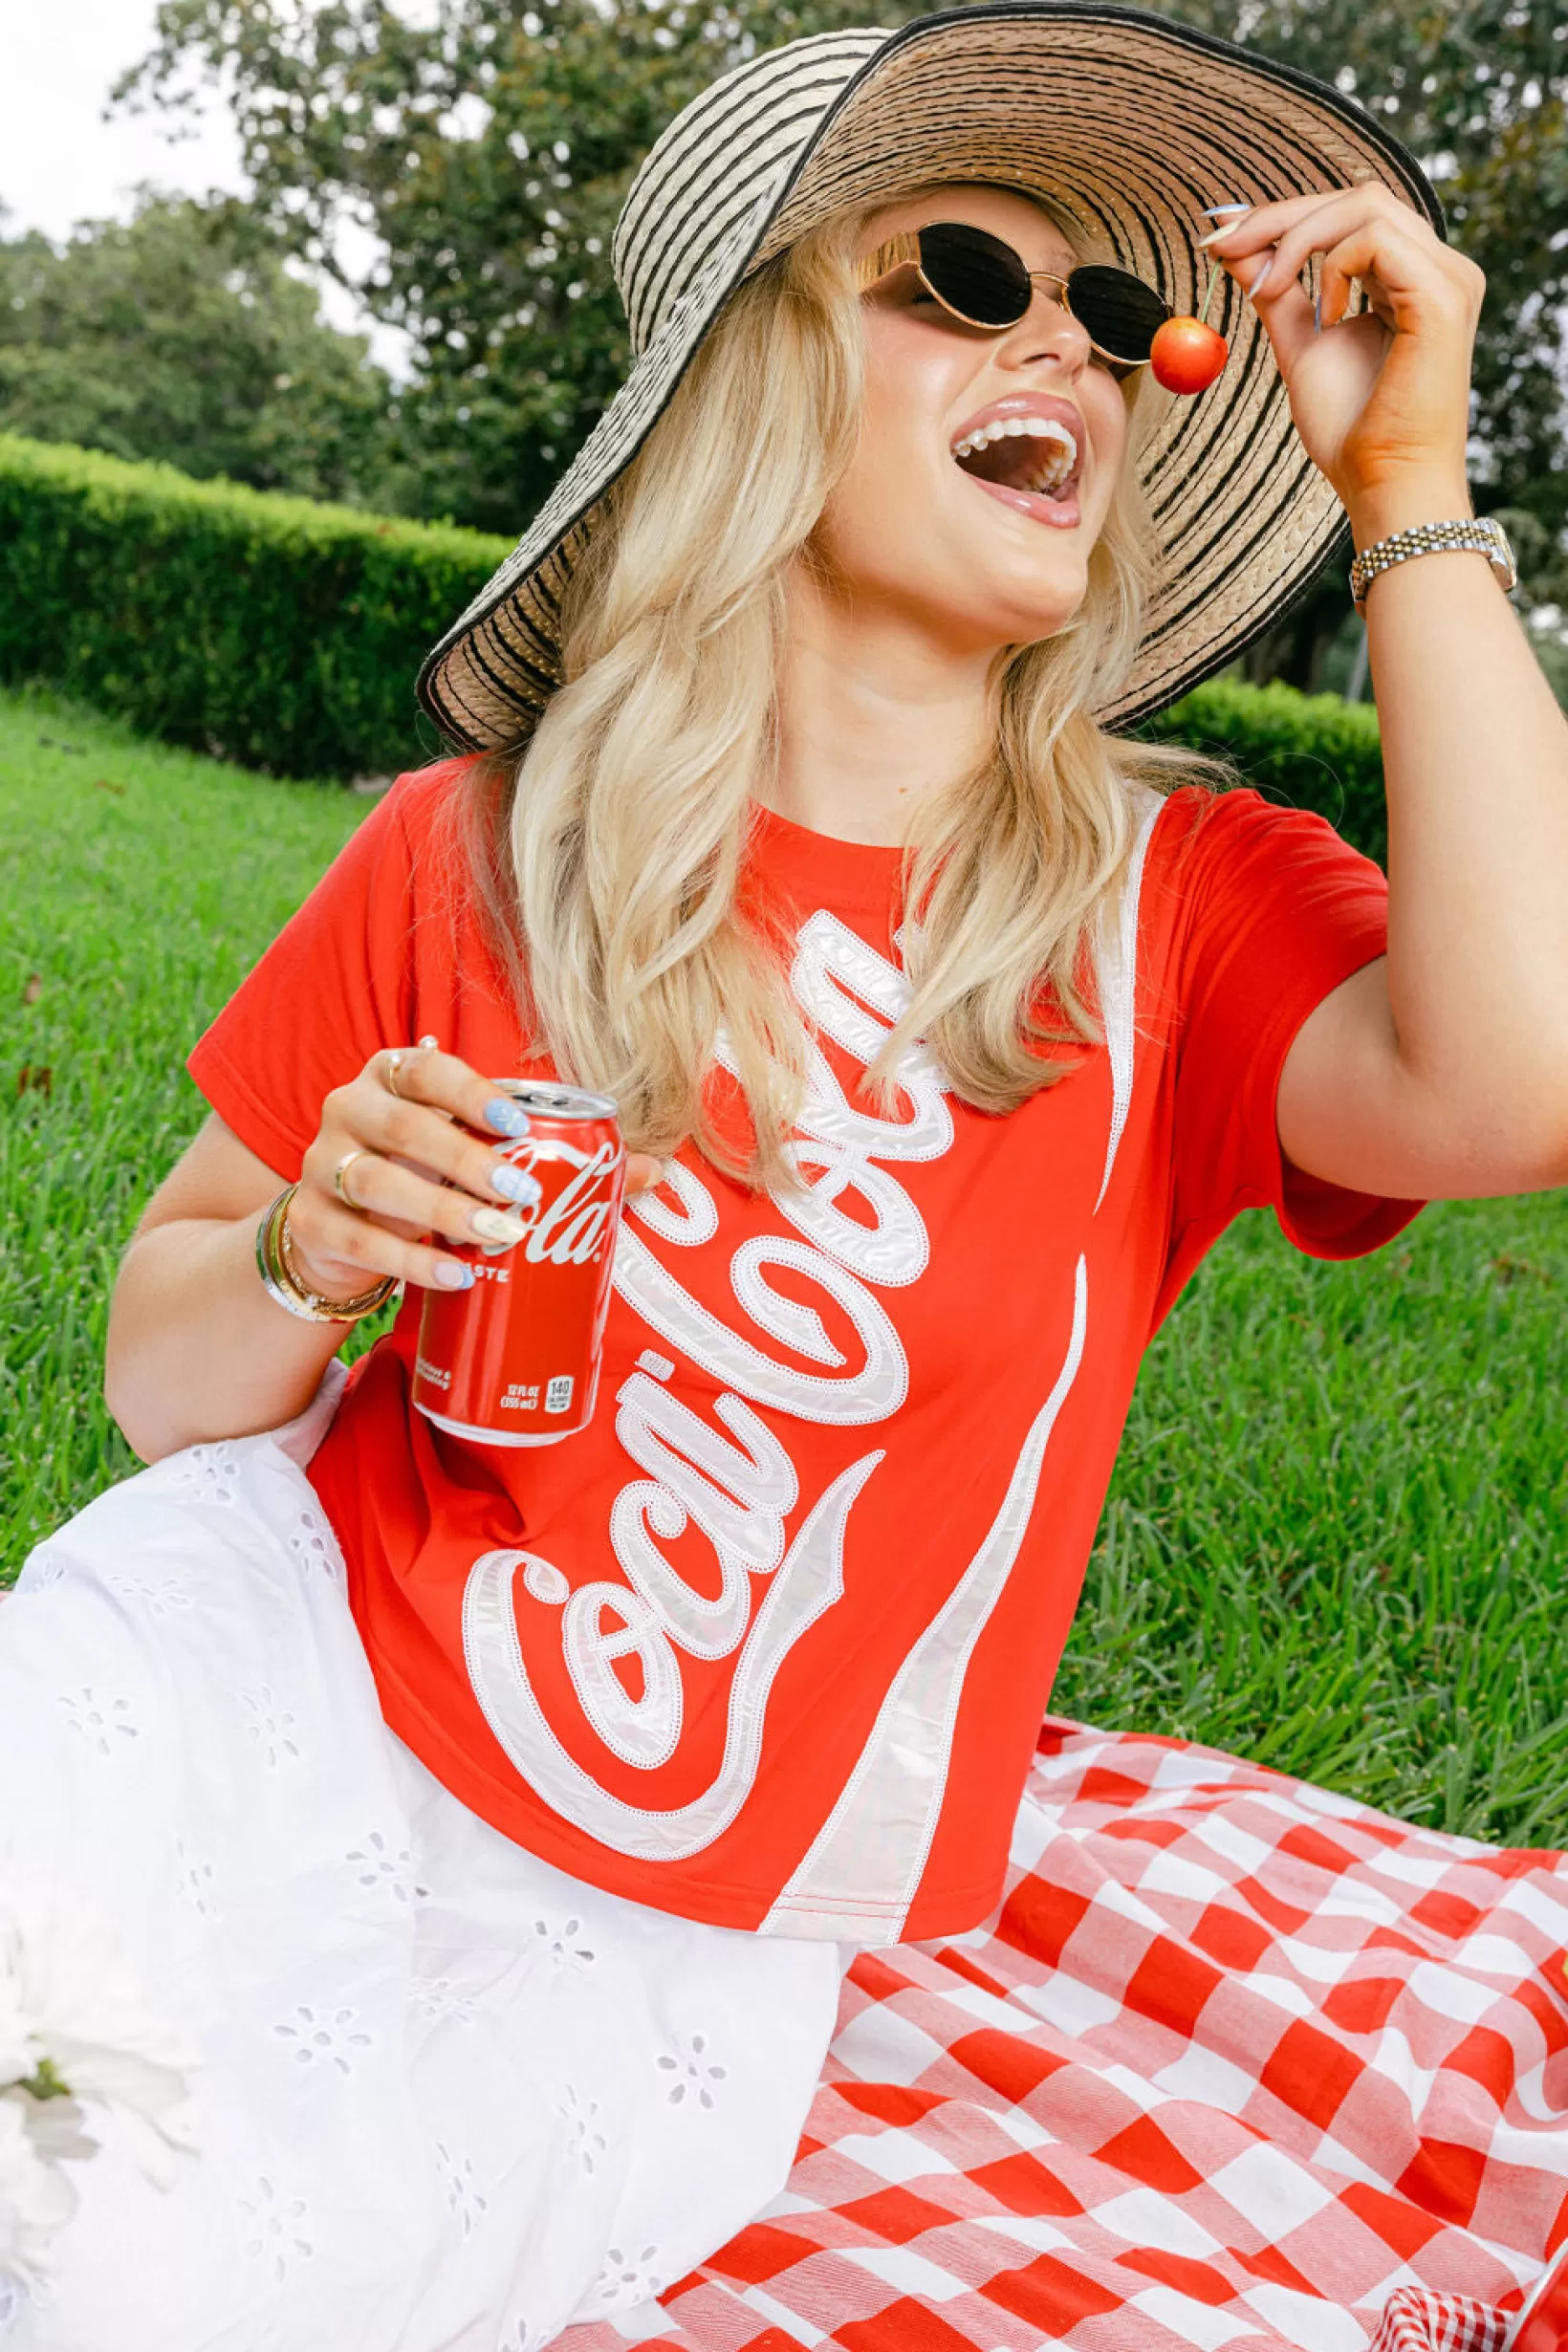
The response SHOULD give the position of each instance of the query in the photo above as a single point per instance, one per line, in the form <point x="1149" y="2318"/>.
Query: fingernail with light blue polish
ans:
<point x="1257" y="284"/>
<point x="502" y="1115"/>
<point x="1211" y="213"/>
<point x="454" y="1277"/>
<point x="515" y="1183"/>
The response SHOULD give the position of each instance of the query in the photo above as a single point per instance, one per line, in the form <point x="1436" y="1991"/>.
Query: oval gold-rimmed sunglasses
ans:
<point x="984" y="283"/>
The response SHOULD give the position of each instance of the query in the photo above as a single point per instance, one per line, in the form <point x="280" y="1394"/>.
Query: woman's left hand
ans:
<point x="1383" y="398"/>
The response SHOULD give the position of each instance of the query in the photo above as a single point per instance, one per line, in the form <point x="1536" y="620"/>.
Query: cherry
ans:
<point x="1188" y="354"/>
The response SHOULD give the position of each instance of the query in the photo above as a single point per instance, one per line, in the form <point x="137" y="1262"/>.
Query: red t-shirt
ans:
<point x="851" y="1446"/>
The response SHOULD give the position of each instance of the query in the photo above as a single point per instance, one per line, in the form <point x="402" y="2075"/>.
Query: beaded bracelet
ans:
<point x="280" y="1277"/>
<point x="1482" y="533"/>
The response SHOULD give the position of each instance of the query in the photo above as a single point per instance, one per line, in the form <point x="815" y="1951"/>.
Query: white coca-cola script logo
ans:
<point x="730" y="1478"/>
<point x="857" y="1230"/>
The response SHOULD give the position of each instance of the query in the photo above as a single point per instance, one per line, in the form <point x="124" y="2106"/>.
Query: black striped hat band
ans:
<point x="1126" y="123"/>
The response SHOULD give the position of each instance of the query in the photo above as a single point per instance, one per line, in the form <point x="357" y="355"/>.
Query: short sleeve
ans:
<point x="1275" y="912"/>
<point x="335" y="985"/>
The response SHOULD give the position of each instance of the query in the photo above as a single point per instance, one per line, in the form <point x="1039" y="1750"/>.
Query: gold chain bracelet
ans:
<point x="280" y="1276"/>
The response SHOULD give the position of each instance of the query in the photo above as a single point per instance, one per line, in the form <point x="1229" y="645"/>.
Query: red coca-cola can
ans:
<point x="514" y="1360"/>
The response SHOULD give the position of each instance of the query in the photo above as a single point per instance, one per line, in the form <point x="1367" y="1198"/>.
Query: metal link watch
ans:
<point x="1483" y="534"/>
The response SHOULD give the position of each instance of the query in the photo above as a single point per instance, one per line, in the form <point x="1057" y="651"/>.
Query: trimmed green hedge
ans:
<point x="287" y="636"/>
<point x="1312" y="751"/>
<point x="276" y="632"/>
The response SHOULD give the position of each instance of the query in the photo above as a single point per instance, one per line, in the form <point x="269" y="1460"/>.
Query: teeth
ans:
<point x="1011" y="428"/>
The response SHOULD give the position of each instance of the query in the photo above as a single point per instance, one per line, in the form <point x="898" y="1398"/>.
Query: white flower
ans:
<point x="64" y="1973"/>
<point x="35" y="2199"/>
<point x="20" y="2049"/>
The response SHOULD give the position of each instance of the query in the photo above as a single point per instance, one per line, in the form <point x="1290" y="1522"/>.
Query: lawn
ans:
<point x="1337" y="1537"/>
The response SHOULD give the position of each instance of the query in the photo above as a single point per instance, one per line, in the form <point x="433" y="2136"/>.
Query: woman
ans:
<point x="501" y="1825"/>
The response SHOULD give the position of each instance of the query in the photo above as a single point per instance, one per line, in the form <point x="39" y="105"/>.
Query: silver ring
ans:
<point x="341" y="1172"/>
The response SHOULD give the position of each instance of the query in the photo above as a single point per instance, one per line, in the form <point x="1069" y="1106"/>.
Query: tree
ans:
<point x="487" y="155"/>
<point x="180" y="335"/>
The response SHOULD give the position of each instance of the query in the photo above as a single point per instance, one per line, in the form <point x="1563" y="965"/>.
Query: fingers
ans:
<point x="339" y="1253"/>
<point x="393" y="1192"/>
<point x="420" y="1144"/>
<point x="643" y="1171"/>
<point x="425" y="1075"/>
<point x="397" y="1157"/>
<point x="426" y="1129"/>
<point x="1262" y="226"/>
<point x="1393" y="245"/>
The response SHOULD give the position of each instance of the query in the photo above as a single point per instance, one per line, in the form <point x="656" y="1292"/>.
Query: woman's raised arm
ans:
<point x="1441" y="1071"/>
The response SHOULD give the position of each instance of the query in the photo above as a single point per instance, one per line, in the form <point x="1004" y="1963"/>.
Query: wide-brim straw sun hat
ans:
<point x="1125" y="123"/>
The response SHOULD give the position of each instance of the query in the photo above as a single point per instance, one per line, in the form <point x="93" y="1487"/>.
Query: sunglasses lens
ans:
<point x="1117" y="310"/>
<point x="974" y="273"/>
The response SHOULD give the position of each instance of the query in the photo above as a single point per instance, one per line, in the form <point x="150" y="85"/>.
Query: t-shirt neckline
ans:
<point x="863" y="876"/>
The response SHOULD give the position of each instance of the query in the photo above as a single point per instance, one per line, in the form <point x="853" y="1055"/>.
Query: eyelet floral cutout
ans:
<point x="561" y="1945"/>
<point x="521" y="2336"/>
<point x="39" y="1570"/>
<point x="214" y="1470"/>
<point x="99" y="1718"/>
<point x="277" y="2224"/>
<point x="463" y="2193"/>
<point x="320" y="2040"/>
<point x="376" y="1863"/>
<point x="312" y="1549"/>
<point x="271" y="1726"/>
<point x="194" y="1881"/>
<point x="628" y="2279"/>
<point x="164" y="1599"/>
<point x="692" y="2070"/>
<point x="438" y="1997"/>
<point x="588" y="2145"/>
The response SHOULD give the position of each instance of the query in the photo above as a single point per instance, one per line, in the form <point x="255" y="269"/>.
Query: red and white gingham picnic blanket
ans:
<point x="1238" y="2063"/>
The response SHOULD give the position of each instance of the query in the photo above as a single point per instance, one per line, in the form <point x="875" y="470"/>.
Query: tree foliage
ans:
<point x="179" y="335"/>
<point x="485" y="152"/>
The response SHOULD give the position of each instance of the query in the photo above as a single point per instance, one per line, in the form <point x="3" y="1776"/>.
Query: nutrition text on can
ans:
<point x="514" y="1360"/>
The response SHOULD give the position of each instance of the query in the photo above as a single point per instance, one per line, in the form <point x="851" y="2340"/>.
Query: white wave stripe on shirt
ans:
<point x="859" y="1878"/>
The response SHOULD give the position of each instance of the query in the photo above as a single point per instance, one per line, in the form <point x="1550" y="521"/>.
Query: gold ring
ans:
<point x="340" y="1171"/>
<point x="397" y="1055"/>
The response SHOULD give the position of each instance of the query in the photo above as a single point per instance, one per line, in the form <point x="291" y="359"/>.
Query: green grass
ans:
<point x="1337" y="1535"/>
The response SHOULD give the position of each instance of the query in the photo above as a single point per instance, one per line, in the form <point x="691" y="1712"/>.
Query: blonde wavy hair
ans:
<point x="608" y="852"/>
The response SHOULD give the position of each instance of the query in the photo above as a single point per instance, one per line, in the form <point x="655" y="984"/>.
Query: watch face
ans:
<point x="1506" y="552"/>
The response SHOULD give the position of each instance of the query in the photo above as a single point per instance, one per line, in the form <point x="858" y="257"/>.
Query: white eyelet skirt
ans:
<point x="448" y="2099"/>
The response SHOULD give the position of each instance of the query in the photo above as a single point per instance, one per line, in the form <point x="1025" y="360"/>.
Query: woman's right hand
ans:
<point x="429" y="1168"/>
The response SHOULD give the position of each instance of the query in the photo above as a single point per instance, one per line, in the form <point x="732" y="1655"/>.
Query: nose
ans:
<point x="1047" y="330"/>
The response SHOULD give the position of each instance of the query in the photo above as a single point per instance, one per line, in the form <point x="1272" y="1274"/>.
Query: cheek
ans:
<point x="884" y="519"/>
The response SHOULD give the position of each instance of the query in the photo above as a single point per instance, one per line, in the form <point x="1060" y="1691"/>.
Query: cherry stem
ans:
<point x="1209" y="295"/>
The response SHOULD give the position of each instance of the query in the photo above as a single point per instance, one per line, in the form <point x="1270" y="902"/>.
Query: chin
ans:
<point x="1024" y="618"/>
<point x="1020" y="603"/>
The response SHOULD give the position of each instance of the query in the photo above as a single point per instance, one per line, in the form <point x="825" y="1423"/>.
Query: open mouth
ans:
<point x="1032" y="454"/>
